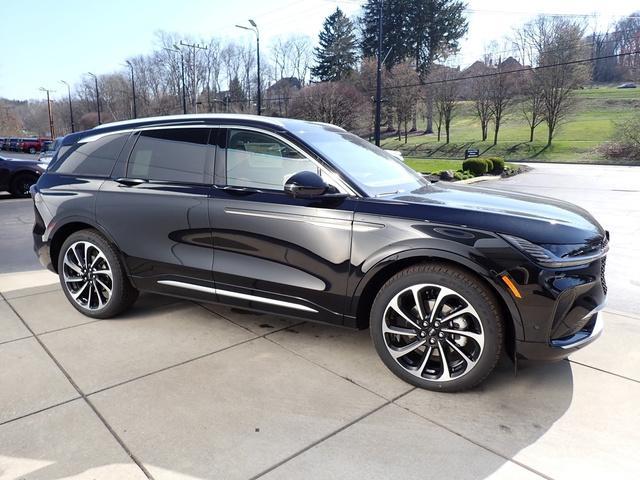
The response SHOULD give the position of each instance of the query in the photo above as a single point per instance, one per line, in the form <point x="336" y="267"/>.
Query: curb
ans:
<point x="484" y="178"/>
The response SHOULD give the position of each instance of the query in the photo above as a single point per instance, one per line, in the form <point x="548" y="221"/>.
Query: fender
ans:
<point x="417" y="253"/>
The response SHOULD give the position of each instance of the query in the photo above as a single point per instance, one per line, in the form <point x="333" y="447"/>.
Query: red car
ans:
<point x="32" y="145"/>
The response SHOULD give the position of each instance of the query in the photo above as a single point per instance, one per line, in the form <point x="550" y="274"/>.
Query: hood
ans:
<point x="540" y="220"/>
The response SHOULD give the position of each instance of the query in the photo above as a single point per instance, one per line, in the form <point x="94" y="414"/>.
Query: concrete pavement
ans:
<point x="178" y="390"/>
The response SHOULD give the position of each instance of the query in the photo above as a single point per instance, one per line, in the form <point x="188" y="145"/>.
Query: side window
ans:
<point x="95" y="158"/>
<point x="173" y="154"/>
<point x="260" y="161"/>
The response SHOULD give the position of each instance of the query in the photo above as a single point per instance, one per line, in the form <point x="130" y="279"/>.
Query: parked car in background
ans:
<point x="32" y="145"/>
<point x="18" y="175"/>
<point x="49" y="149"/>
<point x="13" y="144"/>
<point x="2" y="140"/>
<point x="306" y="220"/>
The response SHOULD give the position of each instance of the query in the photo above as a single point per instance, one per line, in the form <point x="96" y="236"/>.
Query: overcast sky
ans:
<point x="42" y="42"/>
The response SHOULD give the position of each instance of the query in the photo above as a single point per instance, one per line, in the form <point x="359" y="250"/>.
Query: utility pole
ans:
<point x="194" y="46"/>
<point x="257" y="32"/>
<point x="184" y="91"/>
<point x="95" y="79"/>
<point x="73" y="126"/>
<point x="51" y="129"/>
<point x="133" y="89"/>
<point x="378" y="77"/>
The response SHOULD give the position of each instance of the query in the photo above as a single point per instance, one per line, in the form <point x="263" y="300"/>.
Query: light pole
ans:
<point x="133" y="89"/>
<point x="51" y="129"/>
<point x="95" y="79"/>
<point x="376" y="133"/>
<point x="194" y="46"/>
<point x="73" y="126"/>
<point x="184" y="94"/>
<point x="257" y="32"/>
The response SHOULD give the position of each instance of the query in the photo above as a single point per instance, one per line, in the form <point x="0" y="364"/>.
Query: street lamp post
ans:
<point x="257" y="32"/>
<point x="95" y="79"/>
<point x="51" y="129"/>
<point x="133" y="89"/>
<point x="73" y="125"/>
<point x="195" y="47"/>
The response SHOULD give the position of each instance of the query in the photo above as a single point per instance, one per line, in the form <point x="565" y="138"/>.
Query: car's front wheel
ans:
<point x="21" y="183"/>
<point x="437" y="327"/>
<point x="93" y="277"/>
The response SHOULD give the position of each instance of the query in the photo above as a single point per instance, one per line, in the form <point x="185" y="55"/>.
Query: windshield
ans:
<point x="375" y="171"/>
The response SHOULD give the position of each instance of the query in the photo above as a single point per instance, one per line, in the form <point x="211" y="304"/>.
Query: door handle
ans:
<point x="131" y="182"/>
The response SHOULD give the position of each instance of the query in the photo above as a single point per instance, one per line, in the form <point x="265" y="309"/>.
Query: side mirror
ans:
<point x="305" y="185"/>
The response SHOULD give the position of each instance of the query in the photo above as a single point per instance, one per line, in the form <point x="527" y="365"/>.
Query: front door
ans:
<point x="158" y="212"/>
<point x="275" y="253"/>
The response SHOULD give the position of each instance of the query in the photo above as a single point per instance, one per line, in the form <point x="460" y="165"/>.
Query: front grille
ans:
<point x="603" y="265"/>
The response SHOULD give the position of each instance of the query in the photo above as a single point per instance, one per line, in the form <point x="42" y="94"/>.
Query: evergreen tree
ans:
<point x="420" y="31"/>
<point x="337" y="53"/>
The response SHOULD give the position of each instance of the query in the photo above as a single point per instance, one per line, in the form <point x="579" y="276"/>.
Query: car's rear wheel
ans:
<point x="21" y="183"/>
<point x="437" y="327"/>
<point x="32" y="150"/>
<point x="93" y="277"/>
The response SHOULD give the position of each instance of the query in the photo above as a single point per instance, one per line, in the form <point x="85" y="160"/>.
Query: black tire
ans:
<point x="21" y="183"/>
<point x="32" y="150"/>
<point x="122" y="295"/>
<point x="473" y="292"/>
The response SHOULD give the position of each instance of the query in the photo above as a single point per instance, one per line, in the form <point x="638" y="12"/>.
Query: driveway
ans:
<point x="180" y="390"/>
<point x="612" y="195"/>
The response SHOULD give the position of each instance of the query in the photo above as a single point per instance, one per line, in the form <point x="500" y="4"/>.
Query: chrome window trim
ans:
<point x="242" y="296"/>
<point x="93" y="138"/>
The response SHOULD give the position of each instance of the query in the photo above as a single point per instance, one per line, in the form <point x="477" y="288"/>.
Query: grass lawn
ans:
<point x="595" y="114"/>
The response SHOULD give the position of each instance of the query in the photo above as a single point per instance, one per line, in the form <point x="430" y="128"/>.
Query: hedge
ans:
<point x="497" y="165"/>
<point x="477" y="166"/>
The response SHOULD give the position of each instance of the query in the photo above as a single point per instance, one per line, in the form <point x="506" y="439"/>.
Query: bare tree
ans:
<point x="403" y="94"/>
<point x="478" y="89"/>
<point x="501" y="94"/>
<point x="556" y="42"/>
<point x="444" y="92"/>
<point x="331" y="102"/>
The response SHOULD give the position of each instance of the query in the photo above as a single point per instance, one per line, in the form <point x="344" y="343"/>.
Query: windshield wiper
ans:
<point x="387" y="193"/>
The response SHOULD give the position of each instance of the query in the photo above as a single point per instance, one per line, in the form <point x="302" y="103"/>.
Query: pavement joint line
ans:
<point x="350" y="380"/>
<point x="54" y="287"/>
<point x="184" y="362"/>
<point x="602" y="371"/>
<point x="83" y="396"/>
<point x="484" y="447"/>
<point x="329" y="435"/>
<point x="622" y="314"/>
<point x="15" y="340"/>
<point x="50" y="407"/>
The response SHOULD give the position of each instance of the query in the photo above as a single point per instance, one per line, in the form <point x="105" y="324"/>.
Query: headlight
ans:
<point x="558" y="256"/>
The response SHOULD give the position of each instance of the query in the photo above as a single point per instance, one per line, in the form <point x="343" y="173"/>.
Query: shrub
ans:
<point x="489" y="164"/>
<point x="463" y="175"/>
<point x="498" y="165"/>
<point x="477" y="166"/>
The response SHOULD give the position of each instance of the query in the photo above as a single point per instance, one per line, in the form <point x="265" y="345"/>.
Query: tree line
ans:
<point x="533" y="74"/>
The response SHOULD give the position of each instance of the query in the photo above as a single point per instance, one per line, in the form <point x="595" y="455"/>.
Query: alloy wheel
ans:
<point x="433" y="332"/>
<point x="87" y="275"/>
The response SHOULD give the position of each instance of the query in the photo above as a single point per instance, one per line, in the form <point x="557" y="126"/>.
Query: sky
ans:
<point x="45" y="41"/>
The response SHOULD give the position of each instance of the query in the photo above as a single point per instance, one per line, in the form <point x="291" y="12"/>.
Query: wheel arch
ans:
<point x="69" y="227"/>
<point x="385" y="269"/>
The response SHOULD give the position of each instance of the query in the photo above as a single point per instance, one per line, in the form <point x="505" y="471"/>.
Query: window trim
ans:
<point x="207" y="174"/>
<point x="341" y="185"/>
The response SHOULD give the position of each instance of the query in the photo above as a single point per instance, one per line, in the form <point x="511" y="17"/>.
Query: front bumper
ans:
<point x="562" y="348"/>
<point x="561" y="311"/>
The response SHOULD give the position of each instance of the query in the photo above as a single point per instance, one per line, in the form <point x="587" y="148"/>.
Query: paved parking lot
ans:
<point x="180" y="390"/>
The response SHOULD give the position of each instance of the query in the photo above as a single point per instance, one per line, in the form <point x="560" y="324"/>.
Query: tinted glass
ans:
<point x="260" y="161"/>
<point x="95" y="158"/>
<point x="371" y="168"/>
<point x="175" y="155"/>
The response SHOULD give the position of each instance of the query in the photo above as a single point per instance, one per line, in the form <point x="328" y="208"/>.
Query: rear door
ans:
<point x="156" y="209"/>
<point x="275" y="253"/>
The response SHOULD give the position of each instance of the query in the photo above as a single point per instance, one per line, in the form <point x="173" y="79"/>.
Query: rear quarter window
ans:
<point x="94" y="158"/>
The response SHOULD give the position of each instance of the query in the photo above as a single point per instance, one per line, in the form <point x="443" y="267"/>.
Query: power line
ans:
<point x="517" y="70"/>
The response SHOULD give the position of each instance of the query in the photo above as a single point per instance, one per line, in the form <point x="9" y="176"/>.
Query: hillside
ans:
<point x="592" y="123"/>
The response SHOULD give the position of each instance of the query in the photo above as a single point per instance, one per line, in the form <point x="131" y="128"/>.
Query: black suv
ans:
<point x="306" y="220"/>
